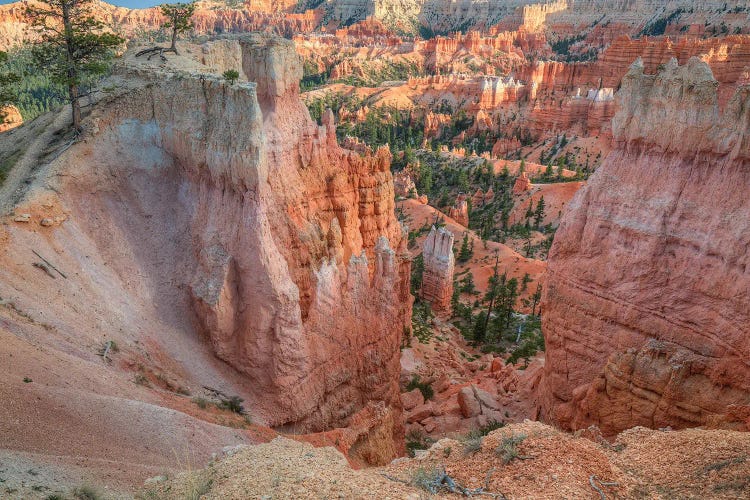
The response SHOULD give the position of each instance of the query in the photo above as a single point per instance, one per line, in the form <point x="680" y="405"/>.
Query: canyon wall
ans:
<point x="292" y="261"/>
<point x="646" y="308"/>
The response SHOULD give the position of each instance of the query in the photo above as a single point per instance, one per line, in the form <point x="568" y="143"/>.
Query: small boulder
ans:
<point x="486" y="399"/>
<point x="469" y="405"/>
<point x="442" y="384"/>
<point x="22" y="218"/>
<point x="497" y="365"/>
<point x="420" y="413"/>
<point x="412" y="399"/>
<point x="46" y="222"/>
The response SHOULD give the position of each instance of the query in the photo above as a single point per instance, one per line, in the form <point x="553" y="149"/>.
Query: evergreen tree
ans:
<point x="73" y="47"/>
<point x="480" y="327"/>
<point x="467" y="284"/>
<point x="7" y="92"/>
<point x="548" y="173"/>
<point x="231" y="76"/>
<point x="530" y="210"/>
<point x="511" y="295"/>
<point x="536" y="298"/>
<point x="525" y="282"/>
<point x="539" y="212"/>
<point x="491" y="293"/>
<point x="417" y="273"/>
<point x="425" y="179"/>
<point x="465" y="253"/>
<point x="178" y="19"/>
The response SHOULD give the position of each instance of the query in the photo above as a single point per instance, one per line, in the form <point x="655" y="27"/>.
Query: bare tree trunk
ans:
<point x="73" y="94"/>
<point x="173" y="47"/>
<point x="492" y="300"/>
<point x="75" y="106"/>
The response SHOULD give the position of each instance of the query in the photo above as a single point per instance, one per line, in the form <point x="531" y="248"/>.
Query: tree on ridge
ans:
<point x="74" y="47"/>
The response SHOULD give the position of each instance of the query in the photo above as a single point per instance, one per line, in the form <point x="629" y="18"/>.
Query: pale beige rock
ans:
<point x="470" y="406"/>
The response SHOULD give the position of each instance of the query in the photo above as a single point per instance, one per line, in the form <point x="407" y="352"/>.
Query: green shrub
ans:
<point x="424" y="387"/>
<point x="472" y="443"/>
<point x="231" y="76"/>
<point x="508" y="448"/>
<point x="234" y="404"/>
<point x="421" y="321"/>
<point x="416" y="440"/>
<point x="427" y="479"/>
<point x="86" y="493"/>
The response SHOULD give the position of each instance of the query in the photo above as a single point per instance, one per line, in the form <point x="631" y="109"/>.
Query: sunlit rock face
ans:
<point x="646" y="310"/>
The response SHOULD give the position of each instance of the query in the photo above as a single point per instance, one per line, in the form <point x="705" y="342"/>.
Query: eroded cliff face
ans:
<point x="646" y="310"/>
<point x="289" y="254"/>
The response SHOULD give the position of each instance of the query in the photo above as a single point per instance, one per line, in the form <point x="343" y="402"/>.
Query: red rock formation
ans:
<point x="727" y="56"/>
<point x="504" y="146"/>
<point x="586" y="116"/>
<point x="437" y="281"/>
<point x="523" y="184"/>
<point x="477" y="200"/>
<point x="337" y="232"/>
<point x="434" y="123"/>
<point x="460" y="212"/>
<point x="646" y="309"/>
<point x="482" y="123"/>
<point x="403" y="185"/>
<point x="489" y="195"/>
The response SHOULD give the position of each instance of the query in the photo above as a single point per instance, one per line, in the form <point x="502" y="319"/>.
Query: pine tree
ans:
<point x="539" y="212"/>
<point x="525" y="282"/>
<point x="536" y="298"/>
<point x="73" y="47"/>
<point x="465" y="253"/>
<point x="530" y="210"/>
<point x="480" y="327"/>
<point x="178" y="19"/>
<point x="231" y="76"/>
<point x="548" y="173"/>
<point x="467" y="284"/>
<point x="7" y="92"/>
<point x="417" y="273"/>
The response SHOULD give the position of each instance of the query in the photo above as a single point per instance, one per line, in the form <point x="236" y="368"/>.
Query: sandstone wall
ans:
<point x="646" y="308"/>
